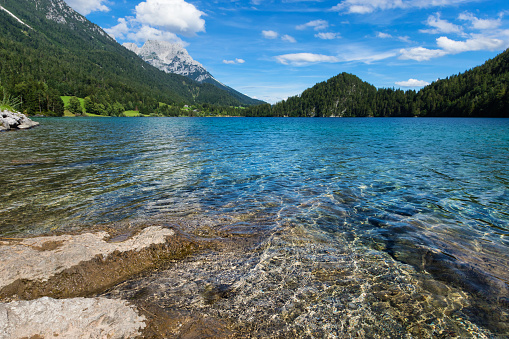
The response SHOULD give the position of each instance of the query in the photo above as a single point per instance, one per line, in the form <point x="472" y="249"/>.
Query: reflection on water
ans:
<point x="335" y="227"/>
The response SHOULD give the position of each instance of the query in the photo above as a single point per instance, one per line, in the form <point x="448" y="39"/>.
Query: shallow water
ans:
<point x="340" y="227"/>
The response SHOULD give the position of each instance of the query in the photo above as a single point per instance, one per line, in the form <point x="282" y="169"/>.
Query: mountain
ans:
<point x="48" y="50"/>
<point x="174" y="58"/>
<point x="479" y="92"/>
<point x="170" y="58"/>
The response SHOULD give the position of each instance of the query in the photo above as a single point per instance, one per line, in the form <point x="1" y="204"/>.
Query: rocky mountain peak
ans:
<point x="170" y="58"/>
<point x="60" y="12"/>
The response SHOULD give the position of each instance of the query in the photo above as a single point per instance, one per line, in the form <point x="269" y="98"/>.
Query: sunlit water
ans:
<point x="365" y="227"/>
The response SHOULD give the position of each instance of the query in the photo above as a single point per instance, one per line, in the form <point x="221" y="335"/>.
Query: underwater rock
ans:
<point x="70" y="318"/>
<point x="83" y="265"/>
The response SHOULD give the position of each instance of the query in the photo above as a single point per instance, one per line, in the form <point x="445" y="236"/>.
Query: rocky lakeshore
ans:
<point x="49" y="285"/>
<point x="15" y="120"/>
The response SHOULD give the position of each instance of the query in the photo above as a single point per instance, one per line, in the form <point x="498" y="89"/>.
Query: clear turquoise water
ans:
<point x="428" y="198"/>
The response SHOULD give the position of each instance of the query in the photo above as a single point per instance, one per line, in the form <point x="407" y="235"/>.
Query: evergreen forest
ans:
<point x="478" y="92"/>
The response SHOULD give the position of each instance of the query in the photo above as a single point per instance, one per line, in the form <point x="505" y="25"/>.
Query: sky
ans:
<point x="273" y="49"/>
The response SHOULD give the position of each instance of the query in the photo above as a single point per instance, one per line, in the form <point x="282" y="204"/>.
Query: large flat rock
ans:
<point x="69" y="318"/>
<point x="42" y="257"/>
<point x="83" y="265"/>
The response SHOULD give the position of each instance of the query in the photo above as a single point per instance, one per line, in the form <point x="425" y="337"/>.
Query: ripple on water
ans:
<point x="297" y="282"/>
<point x="330" y="227"/>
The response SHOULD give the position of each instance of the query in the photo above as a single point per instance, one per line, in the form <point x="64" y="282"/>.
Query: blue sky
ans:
<point x="273" y="49"/>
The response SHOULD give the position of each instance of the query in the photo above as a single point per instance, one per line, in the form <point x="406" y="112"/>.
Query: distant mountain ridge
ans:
<point x="174" y="58"/>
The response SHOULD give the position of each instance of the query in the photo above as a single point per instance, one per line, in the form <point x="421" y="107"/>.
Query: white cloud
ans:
<point x="475" y="44"/>
<point x="275" y="35"/>
<point x="160" y="20"/>
<point x="120" y="30"/>
<point x="318" y="25"/>
<point x="86" y="7"/>
<point x="145" y="33"/>
<point x="382" y="35"/>
<point x="369" y="6"/>
<point x="449" y="46"/>
<point x="129" y="28"/>
<point x="300" y="59"/>
<point x="359" y="54"/>
<point x="412" y="83"/>
<point x="233" y="62"/>
<point x="480" y="24"/>
<point x="328" y="36"/>
<point x="288" y="38"/>
<point x="440" y="26"/>
<point x="270" y="34"/>
<point x="175" y="16"/>
<point x="420" y="54"/>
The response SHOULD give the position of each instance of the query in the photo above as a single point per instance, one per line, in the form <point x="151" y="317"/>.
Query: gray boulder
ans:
<point x="15" y="120"/>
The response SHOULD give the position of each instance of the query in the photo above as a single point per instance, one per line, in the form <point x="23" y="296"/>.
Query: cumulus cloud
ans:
<point x="317" y="25"/>
<point x="145" y="33"/>
<point x="175" y="16"/>
<point x="270" y="34"/>
<point x="300" y="59"/>
<point x="440" y="26"/>
<point x="160" y="20"/>
<point x="128" y="28"/>
<point x="233" y="62"/>
<point x="449" y="46"/>
<point x="86" y="7"/>
<point x="288" y="38"/>
<point x="412" y="83"/>
<point x="475" y="44"/>
<point x="369" y="6"/>
<point x="328" y="35"/>
<point x="480" y="24"/>
<point x="120" y="30"/>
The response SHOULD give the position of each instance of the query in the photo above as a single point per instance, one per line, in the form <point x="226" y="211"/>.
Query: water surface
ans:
<point x="365" y="227"/>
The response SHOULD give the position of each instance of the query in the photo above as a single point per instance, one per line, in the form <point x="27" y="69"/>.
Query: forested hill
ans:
<point x="48" y="50"/>
<point x="479" y="92"/>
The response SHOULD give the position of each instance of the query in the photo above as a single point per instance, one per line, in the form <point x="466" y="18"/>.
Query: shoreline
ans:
<point x="52" y="283"/>
<point x="58" y="285"/>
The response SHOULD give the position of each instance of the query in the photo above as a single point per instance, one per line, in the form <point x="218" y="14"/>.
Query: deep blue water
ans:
<point x="429" y="194"/>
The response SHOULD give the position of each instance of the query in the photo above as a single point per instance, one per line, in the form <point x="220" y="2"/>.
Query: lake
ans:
<point x="351" y="227"/>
